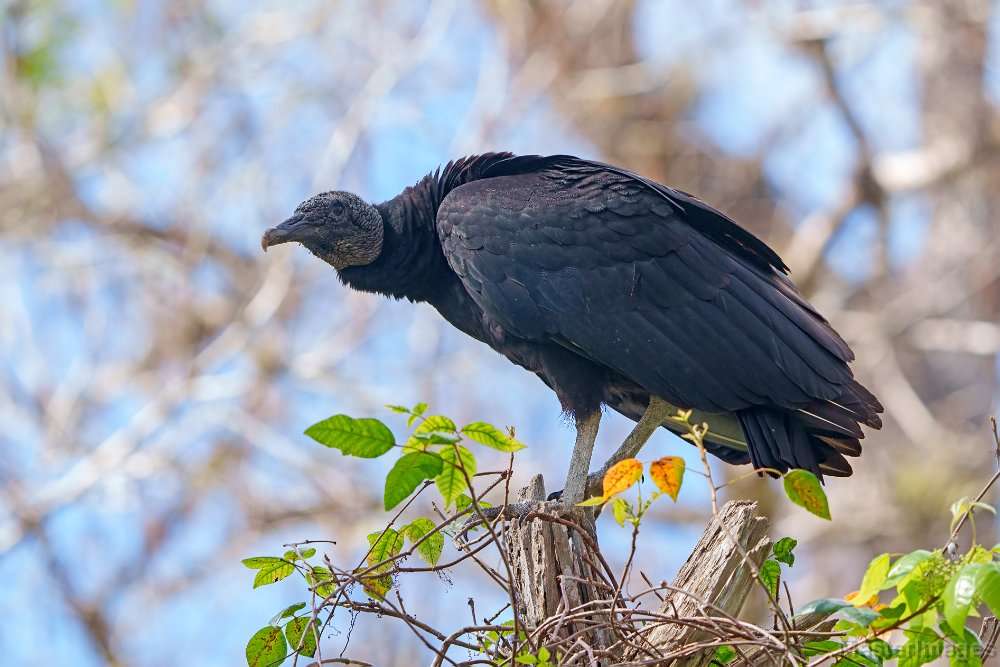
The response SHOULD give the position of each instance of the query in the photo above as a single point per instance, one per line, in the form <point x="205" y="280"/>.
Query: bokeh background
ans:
<point x="157" y="370"/>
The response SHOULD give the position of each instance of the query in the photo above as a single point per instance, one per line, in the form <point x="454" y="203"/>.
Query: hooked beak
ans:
<point x="289" y="230"/>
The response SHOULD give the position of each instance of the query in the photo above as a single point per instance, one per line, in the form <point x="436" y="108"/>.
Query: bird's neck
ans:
<point x="411" y="264"/>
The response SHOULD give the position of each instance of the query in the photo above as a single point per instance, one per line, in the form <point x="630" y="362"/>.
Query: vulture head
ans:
<point x="338" y="227"/>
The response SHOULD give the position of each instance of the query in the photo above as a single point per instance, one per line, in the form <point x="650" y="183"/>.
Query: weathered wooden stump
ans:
<point x="564" y="590"/>
<point x="714" y="581"/>
<point x="557" y="568"/>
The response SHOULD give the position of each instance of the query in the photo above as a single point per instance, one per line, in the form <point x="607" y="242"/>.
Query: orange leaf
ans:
<point x="621" y="476"/>
<point x="871" y="602"/>
<point x="668" y="473"/>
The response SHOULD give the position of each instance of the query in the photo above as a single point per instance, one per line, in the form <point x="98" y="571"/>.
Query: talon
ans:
<point x="595" y="482"/>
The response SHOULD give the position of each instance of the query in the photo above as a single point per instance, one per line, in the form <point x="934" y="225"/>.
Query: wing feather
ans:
<point x="643" y="280"/>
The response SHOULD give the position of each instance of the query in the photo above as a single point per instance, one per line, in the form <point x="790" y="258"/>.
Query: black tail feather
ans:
<point x="816" y="437"/>
<point x="778" y="441"/>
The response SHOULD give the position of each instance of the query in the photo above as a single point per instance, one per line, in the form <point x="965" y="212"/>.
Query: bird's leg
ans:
<point x="655" y="414"/>
<point x="579" y="463"/>
<point x="576" y="478"/>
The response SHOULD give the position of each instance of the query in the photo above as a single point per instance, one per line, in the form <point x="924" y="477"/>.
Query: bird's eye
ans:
<point x="336" y="209"/>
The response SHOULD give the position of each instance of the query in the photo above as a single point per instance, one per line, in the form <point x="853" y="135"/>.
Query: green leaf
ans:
<point x="893" y="613"/>
<point x="825" y="606"/>
<point x="302" y="629"/>
<point x="291" y="609"/>
<point x="438" y="423"/>
<point x="436" y="429"/>
<point x="783" y="550"/>
<point x="367" y="438"/>
<point x="803" y="488"/>
<point x="978" y="554"/>
<point x="924" y="645"/>
<point x="384" y="545"/>
<point x="401" y="409"/>
<point x="959" y="594"/>
<point x="912" y="594"/>
<point x="724" y="655"/>
<point x="407" y="474"/>
<point x="431" y="438"/>
<point x="770" y="575"/>
<point x="858" y="615"/>
<point x="963" y="506"/>
<point x="591" y="502"/>
<point x="266" y="648"/>
<point x="452" y="481"/>
<point x="321" y="580"/>
<point x="418" y="410"/>
<point x="620" y="508"/>
<point x="881" y="649"/>
<point x="491" y="436"/>
<point x="966" y="648"/>
<point x="904" y="566"/>
<point x="258" y="562"/>
<point x="861" y="657"/>
<point x="821" y="647"/>
<point x="273" y="572"/>
<point x="925" y="582"/>
<point x="430" y="549"/>
<point x="988" y="586"/>
<point x="875" y="576"/>
<point x="463" y="501"/>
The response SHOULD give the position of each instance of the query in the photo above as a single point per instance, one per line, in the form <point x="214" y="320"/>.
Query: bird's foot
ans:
<point x="517" y="510"/>
<point x="506" y="512"/>
<point x="595" y="482"/>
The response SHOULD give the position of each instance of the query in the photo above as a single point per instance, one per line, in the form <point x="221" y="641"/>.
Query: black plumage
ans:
<point x="612" y="288"/>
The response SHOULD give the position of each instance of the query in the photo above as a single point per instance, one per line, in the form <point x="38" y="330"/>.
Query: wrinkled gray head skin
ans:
<point x="338" y="227"/>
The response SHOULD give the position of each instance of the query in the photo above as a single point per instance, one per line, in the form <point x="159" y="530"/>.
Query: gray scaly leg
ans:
<point x="579" y="463"/>
<point x="656" y="413"/>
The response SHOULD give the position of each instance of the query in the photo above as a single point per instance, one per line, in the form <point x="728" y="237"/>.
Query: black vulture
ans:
<point x="614" y="290"/>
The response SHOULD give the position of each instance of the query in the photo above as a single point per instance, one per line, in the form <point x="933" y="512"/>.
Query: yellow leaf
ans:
<point x="803" y="488"/>
<point x="376" y="586"/>
<point x="668" y="473"/>
<point x="590" y="502"/>
<point x="621" y="476"/>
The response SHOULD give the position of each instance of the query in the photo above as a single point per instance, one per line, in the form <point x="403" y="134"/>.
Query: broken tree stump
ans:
<point x="565" y="592"/>
<point x="557" y="568"/>
<point x="714" y="581"/>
